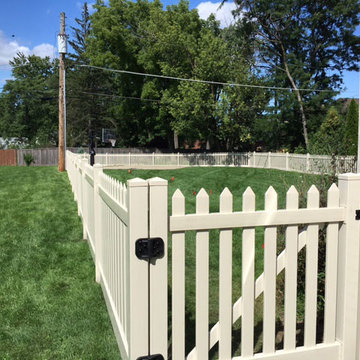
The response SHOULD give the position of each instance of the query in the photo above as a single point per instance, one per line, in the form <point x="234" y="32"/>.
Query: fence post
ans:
<point x="158" y="217"/>
<point x="307" y="162"/>
<point x="98" y="221"/>
<point x="178" y="159"/>
<point x="77" y="178"/>
<point x="83" y="198"/>
<point x="287" y="161"/>
<point x="269" y="160"/>
<point x="129" y="159"/>
<point x="254" y="162"/>
<point x="137" y="270"/>
<point x="347" y="307"/>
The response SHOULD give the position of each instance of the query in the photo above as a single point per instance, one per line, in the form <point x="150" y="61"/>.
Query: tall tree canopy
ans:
<point x="87" y="111"/>
<point x="288" y="44"/>
<point x="304" y="44"/>
<point x="142" y="37"/>
<point x="28" y="107"/>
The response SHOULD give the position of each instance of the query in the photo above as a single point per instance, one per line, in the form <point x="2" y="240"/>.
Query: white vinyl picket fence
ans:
<point x="115" y="216"/>
<point x="316" y="164"/>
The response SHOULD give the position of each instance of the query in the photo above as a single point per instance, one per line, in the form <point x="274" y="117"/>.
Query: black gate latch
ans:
<point x="151" y="357"/>
<point x="151" y="248"/>
<point x="357" y="214"/>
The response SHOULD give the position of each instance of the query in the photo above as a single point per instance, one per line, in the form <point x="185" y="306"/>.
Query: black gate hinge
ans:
<point x="151" y="357"/>
<point x="357" y="214"/>
<point x="147" y="249"/>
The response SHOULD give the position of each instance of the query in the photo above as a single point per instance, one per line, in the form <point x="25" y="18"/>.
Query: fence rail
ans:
<point x="115" y="216"/>
<point x="317" y="164"/>
<point x="112" y="157"/>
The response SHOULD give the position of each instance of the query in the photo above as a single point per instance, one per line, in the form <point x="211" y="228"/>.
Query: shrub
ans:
<point x="329" y="139"/>
<point x="29" y="159"/>
<point x="351" y="128"/>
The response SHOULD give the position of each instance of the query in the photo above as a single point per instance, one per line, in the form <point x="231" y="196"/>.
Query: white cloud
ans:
<point x="9" y="49"/>
<point x="44" y="50"/>
<point x="222" y="14"/>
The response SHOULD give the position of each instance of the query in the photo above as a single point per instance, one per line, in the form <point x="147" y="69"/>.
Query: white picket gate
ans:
<point x="136" y="291"/>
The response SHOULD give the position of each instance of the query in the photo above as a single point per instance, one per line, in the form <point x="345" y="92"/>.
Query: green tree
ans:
<point x="115" y="42"/>
<point x="329" y="139"/>
<point x="351" y="128"/>
<point x="29" y="108"/>
<point x="142" y="37"/>
<point x="183" y="45"/>
<point x="304" y="44"/>
<point x="87" y="107"/>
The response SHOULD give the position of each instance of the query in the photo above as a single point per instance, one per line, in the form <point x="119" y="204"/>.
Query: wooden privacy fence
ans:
<point x="123" y="222"/>
<point x="42" y="157"/>
<point x="7" y="157"/>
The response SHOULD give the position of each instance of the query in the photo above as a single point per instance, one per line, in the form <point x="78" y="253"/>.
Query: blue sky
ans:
<point x="32" y="27"/>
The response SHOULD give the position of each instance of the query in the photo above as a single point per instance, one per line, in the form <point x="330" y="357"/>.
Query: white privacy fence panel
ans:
<point x="175" y="159"/>
<point x="298" y="162"/>
<point x="278" y="161"/>
<point x="135" y="290"/>
<point x="260" y="160"/>
<point x="317" y="164"/>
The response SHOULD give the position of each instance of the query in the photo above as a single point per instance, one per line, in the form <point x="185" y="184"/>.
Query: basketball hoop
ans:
<point x="113" y="142"/>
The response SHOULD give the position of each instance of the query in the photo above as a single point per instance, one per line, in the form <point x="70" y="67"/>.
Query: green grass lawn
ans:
<point x="214" y="180"/>
<point x="50" y="305"/>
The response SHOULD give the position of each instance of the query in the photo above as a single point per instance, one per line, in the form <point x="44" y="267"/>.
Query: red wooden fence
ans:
<point x="7" y="157"/>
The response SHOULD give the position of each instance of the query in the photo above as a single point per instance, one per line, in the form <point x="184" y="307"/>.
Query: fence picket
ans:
<point x="202" y="281"/>
<point x="225" y="280"/>
<point x="291" y="251"/>
<point x="270" y="276"/>
<point x="332" y="235"/>
<point x="248" y="284"/>
<point x="178" y="282"/>
<point x="311" y="272"/>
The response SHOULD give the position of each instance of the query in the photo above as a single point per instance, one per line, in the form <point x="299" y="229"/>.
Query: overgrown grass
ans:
<point x="214" y="180"/>
<point x="50" y="305"/>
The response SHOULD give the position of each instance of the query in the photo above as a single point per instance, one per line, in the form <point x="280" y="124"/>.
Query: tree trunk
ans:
<point x="176" y="140"/>
<point x="301" y="104"/>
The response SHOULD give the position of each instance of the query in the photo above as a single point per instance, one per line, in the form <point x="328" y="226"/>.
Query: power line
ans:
<point x="119" y="96"/>
<point x="199" y="81"/>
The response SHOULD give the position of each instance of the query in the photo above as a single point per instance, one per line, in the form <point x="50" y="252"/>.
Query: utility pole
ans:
<point x="358" y="149"/>
<point x="62" y="48"/>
